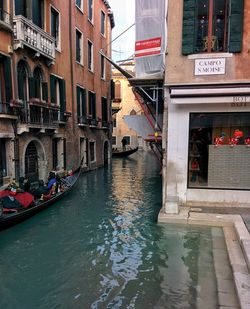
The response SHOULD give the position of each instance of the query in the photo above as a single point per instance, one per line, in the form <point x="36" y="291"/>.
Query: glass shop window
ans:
<point x="219" y="151"/>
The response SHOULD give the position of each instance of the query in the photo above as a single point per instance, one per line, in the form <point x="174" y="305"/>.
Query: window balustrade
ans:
<point x="27" y="33"/>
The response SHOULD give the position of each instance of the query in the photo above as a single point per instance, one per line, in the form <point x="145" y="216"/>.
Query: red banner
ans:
<point x="148" y="47"/>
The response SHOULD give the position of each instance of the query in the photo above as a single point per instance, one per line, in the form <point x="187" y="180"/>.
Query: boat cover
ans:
<point x="25" y="198"/>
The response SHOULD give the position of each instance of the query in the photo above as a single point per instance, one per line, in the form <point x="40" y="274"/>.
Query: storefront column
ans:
<point x="170" y="198"/>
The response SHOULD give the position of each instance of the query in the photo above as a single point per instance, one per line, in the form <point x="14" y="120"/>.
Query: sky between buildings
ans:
<point x="124" y="14"/>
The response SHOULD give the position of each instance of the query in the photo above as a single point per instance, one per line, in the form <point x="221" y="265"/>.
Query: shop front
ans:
<point x="208" y="158"/>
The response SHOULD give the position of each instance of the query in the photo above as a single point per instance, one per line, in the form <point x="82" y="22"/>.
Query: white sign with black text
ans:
<point x="210" y="66"/>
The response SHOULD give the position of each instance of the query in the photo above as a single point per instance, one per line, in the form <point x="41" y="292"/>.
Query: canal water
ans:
<point x="101" y="247"/>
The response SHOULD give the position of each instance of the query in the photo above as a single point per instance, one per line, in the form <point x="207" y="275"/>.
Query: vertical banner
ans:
<point x="150" y="45"/>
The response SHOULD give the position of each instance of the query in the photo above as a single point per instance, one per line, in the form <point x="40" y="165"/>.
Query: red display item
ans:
<point x="218" y="141"/>
<point x="247" y="141"/>
<point x="233" y="141"/>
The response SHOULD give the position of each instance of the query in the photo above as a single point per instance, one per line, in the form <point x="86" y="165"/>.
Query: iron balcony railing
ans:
<point x="82" y="120"/>
<point x="7" y="109"/>
<point x="29" y="34"/>
<point x="42" y="116"/>
<point x="6" y="20"/>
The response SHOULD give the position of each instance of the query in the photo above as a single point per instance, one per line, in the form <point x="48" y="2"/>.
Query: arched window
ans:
<point x="38" y="78"/>
<point x="117" y="91"/>
<point x="22" y="80"/>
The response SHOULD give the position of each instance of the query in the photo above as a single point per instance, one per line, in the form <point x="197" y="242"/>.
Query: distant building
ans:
<point x="55" y="86"/>
<point x="125" y="110"/>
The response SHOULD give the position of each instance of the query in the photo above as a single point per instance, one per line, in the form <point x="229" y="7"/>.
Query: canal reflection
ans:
<point x="101" y="248"/>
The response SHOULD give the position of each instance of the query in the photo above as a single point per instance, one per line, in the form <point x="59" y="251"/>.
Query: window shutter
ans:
<point x="7" y="79"/>
<point x="94" y="106"/>
<point x="62" y="95"/>
<point x="78" y="99"/>
<point x="112" y="89"/>
<point x="19" y="7"/>
<point x="236" y="26"/>
<point x="52" y="89"/>
<point x="35" y="12"/>
<point x="84" y="102"/>
<point x="188" y="27"/>
<point x="104" y="109"/>
<point x="45" y="91"/>
<point x="31" y="87"/>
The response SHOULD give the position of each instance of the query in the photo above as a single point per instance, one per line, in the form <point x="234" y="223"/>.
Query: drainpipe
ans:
<point x="71" y="67"/>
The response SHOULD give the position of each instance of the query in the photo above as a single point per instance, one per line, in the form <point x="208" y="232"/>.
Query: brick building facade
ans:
<point x="55" y="86"/>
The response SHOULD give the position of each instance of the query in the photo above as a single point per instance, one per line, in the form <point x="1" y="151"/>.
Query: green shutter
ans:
<point x="104" y="109"/>
<point x="89" y="102"/>
<point x="94" y="106"/>
<point x="188" y="27"/>
<point x="32" y="87"/>
<point x="7" y="79"/>
<point x="45" y="91"/>
<point x="236" y="26"/>
<point x="53" y="89"/>
<point x="19" y="7"/>
<point x="83" y="102"/>
<point x="112" y="89"/>
<point x="62" y="91"/>
<point x="78" y="99"/>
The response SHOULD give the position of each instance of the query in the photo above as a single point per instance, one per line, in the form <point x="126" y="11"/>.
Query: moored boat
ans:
<point x="11" y="217"/>
<point x="121" y="153"/>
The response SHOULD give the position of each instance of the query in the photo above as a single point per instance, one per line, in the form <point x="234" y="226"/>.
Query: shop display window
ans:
<point x="219" y="151"/>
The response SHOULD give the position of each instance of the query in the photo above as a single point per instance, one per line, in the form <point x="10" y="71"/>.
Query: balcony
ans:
<point x="28" y="34"/>
<point x="8" y="111"/>
<point x="82" y="121"/>
<point x="6" y="22"/>
<point x="116" y="106"/>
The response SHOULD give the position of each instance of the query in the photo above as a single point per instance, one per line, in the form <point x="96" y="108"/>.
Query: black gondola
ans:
<point x="121" y="153"/>
<point x="10" y="219"/>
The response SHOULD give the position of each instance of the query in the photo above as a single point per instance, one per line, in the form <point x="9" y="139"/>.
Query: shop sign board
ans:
<point x="210" y="66"/>
<point x="148" y="47"/>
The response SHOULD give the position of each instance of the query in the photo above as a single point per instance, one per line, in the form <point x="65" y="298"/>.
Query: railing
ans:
<point x="7" y="109"/>
<point x="27" y="33"/>
<point x="6" y="19"/>
<point x="82" y="120"/>
<point x="104" y="124"/>
<point x="42" y="116"/>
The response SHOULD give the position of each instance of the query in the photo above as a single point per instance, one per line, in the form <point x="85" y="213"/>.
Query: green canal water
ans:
<point x="101" y="247"/>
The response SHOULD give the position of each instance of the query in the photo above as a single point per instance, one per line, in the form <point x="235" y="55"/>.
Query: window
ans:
<point x="38" y="80"/>
<point x="102" y="67"/>
<point x="92" y="104"/>
<point x="103" y="22"/>
<point x="5" y="80"/>
<point x="3" y="162"/>
<point x="55" y="153"/>
<point x="21" y="7"/>
<point x="117" y="97"/>
<point x="22" y="80"/>
<point x="58" y="93"/>
<point x="219" y="151"/>
<point x="210" y="26"/>
<point x="90" y="55"/>
<point x="113" y="141"/>
<point x="79" y="4"/>
<point x="92" y="151"/>
<point x="38" y="12"/>
<point x="104" y="112"/>
<point x="79" y="57"/>
<point x="90" y="10"/>
<point x="81" y="105"/>
<point x="55" y="26"/>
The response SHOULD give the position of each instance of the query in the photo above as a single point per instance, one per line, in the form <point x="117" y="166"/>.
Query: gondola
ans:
<point x="9" y="219"/>
<point x="121" y="153"/>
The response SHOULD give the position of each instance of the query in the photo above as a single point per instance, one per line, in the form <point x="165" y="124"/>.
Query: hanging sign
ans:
<point x="148" y="47"/>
